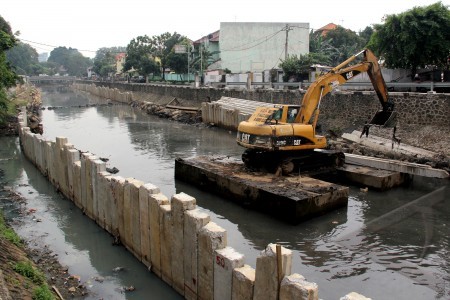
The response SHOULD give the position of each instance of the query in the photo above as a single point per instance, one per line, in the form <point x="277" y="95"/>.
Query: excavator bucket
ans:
<point x="384" y="118"/>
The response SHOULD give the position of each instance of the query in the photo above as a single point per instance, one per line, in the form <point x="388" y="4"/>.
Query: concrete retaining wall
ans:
<point x="342" y="108"/>
<point x="171" y="236"/>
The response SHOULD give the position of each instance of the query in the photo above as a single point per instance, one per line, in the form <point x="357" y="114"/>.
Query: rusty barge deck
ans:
<point x="292" y="199"/>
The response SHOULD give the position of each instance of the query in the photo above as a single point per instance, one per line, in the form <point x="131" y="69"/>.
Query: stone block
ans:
<point x="102" y="195"/>
<point x="42" y="143"/>
<point x="266" y="276"/>
<point x="354" y="296"/>
<point x="225" y="261"/>
<point x="155" y="201"/>
<point x="50" y="160"/>
<point x="132" y="216"/>
<point x="210" y="238"/>
<point x="144" y="216"/>
<point x="118" y="183"/>
<point x="180" y="204"/>
<point x="296" y="287"/>
<point x="109" y="209"/>
<point x="61" y="165"/>
<point x="73" y="156"/>
<point x="97" y="166"/>
<point x="37" y="151"/>
<point x="194" y="220"/>
<point x="243" y="283"/>
<point x="166" y="236"/>
<point x="76" y="180"/>
<point x="86" y="183"/>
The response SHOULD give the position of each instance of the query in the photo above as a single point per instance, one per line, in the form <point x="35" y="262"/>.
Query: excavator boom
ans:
<point x="340" y="75"/>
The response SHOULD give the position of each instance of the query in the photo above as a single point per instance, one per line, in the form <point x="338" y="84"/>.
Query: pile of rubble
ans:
<point x="180" y="114"/>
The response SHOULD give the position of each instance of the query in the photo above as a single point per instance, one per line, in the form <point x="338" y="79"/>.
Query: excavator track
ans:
<point x="288" y="162"/>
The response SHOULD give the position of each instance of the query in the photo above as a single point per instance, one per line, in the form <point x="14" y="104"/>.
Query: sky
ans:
<point x="88" y="25"/>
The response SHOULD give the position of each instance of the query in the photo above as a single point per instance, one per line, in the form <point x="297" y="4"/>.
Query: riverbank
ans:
<point x="27" y="272"/>
<point x="31" y="273"/>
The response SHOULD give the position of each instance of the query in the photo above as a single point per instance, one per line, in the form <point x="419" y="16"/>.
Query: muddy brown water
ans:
<point x="390" y="245"/>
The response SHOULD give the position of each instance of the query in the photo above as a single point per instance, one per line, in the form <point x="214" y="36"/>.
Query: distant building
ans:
<point x="254" y="47"/>
<point x="120" y="61"/>
<point x="325" y="29"/>
<point x="43" y="57"/>
<point x="210" y="43"/>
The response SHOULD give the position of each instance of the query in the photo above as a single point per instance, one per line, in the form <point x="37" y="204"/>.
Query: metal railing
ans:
<point x="413" y="86"/>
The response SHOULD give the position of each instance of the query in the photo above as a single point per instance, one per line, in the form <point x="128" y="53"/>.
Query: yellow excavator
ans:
<point x="283" y="137"/>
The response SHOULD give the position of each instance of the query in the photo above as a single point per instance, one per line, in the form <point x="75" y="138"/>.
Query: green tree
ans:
<point x="70" y="60"/>
<point x="162" y="46"/>
<point x="366" y="34"/>
<point x="321" y="46"/>
<point x="139" y="57"/>
<point x="345" y="42"/>
<point x="8" y="77"/>
<point x="105" y="60"/>
<point x="203" y="59"/>
<point x="49" y="68"/>
<point x="298" y="67"/>
<point x="415" y="38"/>
<point x="24" y="58"/>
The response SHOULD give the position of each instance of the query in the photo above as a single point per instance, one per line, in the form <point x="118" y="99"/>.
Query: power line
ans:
<point x="42" y="44"/>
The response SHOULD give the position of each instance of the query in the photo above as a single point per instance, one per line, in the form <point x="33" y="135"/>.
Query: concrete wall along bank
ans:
<point x="342" y="108"/>
<point x="171" y="236"/>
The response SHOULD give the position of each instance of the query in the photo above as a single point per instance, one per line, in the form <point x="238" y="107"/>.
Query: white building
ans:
<point x="254" y="47"/>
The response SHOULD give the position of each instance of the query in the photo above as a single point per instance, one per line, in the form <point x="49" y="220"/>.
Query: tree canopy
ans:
<point x="328" y="49"/>
<point x="297" y="67"/>
<point x="8" y="77"/>
<point x="24" y="58"/>
<point x="105" y="60"/>
<point x="139" y="56"/>
<point x="146" y="55"/>
<point x="345" y="43"/>
<point x="70" y="60"/>
<point x="421" y="35"/>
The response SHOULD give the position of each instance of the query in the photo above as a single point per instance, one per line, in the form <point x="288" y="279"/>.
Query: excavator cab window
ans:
<point x="292" y="113"/>
<point x="275" y="116"/>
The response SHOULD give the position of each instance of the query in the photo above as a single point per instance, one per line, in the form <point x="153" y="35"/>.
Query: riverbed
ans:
<point x="390" y="245"/>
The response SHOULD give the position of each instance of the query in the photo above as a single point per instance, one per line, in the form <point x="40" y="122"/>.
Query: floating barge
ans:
<point x="290" y="198"/>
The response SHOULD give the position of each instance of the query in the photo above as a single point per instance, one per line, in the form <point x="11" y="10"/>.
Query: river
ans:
<point x="390" y="245"/>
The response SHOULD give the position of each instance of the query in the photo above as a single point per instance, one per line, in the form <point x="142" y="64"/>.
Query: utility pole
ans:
<point x="189" y="54"/>
<point x="287" y="29"/>
<point x="201" y="60"/>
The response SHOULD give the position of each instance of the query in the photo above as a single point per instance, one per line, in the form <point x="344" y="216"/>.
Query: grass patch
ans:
<point x="42" y="293"/>
<point x="27" y="270"/>
<point x="8" y="233"/>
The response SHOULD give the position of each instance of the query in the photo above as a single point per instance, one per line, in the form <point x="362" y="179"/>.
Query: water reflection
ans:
<point x="340" y="251"/>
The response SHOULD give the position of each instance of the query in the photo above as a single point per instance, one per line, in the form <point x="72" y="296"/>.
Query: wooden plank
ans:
<point x="394" y="165"/>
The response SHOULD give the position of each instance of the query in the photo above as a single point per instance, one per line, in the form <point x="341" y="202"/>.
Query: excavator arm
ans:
<point x="340" y="75"/>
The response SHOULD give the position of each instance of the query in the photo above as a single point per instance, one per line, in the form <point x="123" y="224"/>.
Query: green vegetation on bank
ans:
<point x="33" y="278"/>
<point x="8" y="77"/>
<point x="42" y="291"/>
<point x="8" y="233"/>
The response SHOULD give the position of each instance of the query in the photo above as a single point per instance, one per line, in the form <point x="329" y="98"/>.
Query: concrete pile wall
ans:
<point x="105" y="92"/>
<point x="171" y="236"/>
<point x="229" y="112"/>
